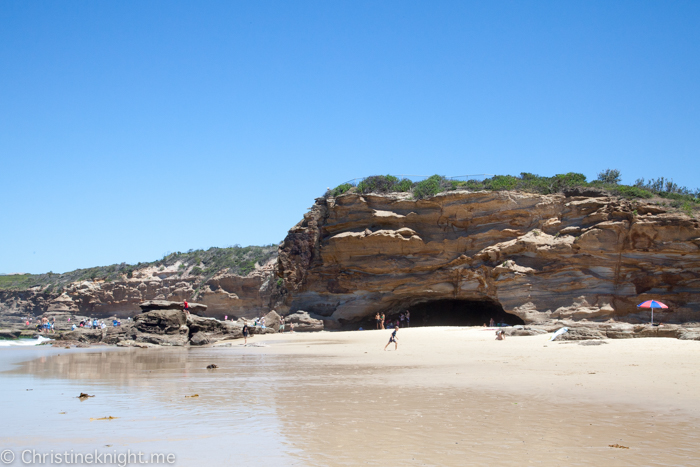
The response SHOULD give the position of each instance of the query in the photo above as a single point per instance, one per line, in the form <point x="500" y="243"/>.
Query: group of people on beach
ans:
<point x="44" y="325"/>
<point x="404" y="320"/>
<point x="260" y="322"/>
<point x="95" y="324"/>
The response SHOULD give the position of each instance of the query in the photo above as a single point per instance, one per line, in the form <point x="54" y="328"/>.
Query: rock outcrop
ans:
<point x="223" y="295"/>
<point x="163" y="323"/>
<point x="580" y="255"/>
<point x="303" y="322"/>
<point x="540" y="257"/>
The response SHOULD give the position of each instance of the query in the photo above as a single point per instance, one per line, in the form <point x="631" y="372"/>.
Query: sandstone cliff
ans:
<point x="224" y="294"/>
<point x="539" y="257"/>
<point x="536" y="258"/>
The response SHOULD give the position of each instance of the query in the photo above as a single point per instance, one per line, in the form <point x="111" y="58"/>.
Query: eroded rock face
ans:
<point x="542" y="257"/>
<point x="223" y="295"/>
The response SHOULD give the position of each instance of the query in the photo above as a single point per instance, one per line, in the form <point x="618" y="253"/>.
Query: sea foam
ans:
<point x="24" y="342"/>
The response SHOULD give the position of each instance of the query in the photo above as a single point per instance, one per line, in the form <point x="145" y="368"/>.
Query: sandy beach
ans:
<point x="448" y="396"/>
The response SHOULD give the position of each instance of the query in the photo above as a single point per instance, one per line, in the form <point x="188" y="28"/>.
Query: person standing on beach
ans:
<point x="377" y="320"/>
<point x="402" y="318"/>
<point x="393" y="339"/>
<point x="408" y="319"/>
<point x="382" y="320"/>
<point x="281" y="324"/>
<point x="246" y="332"/>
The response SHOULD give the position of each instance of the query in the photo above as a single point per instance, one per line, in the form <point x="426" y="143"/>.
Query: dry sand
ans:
<point x="661" y="373"/>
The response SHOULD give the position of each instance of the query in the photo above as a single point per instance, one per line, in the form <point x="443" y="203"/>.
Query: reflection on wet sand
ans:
<point x="268" y="409"/>
<point x="346" y="423"/>
<point x="145" y="392"/>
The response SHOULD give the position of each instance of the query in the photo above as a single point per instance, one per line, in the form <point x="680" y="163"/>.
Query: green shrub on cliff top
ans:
<point x="630" y="192"/>
<point x="383" y="184"/>
<point x="431" y="186"/>
<point x="607" y="180"/>
<point x="340" y="189"/>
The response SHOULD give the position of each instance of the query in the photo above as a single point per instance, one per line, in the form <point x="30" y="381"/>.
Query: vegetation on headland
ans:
<point x="608" y="180"/>
<point x="235" y="260"/>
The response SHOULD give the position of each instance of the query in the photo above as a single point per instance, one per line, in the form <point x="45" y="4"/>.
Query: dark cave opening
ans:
<point x="451" y="312"/>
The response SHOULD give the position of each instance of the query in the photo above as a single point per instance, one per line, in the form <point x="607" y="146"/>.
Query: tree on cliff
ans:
<point x="610" y="176"/>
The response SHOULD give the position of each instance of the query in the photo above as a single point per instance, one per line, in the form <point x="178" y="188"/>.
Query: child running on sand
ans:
<point x="393" y="339"/>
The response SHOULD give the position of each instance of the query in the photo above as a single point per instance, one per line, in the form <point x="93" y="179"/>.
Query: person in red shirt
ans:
<point x="186" y="307"/>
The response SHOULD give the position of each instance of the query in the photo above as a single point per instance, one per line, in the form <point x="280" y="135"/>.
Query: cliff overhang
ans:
<point x="539" y="257"/>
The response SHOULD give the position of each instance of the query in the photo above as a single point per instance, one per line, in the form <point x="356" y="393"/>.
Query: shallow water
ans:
<point x="265" y="409"/>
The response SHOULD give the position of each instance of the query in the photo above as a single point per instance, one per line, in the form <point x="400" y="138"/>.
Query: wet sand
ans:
<point x="448" y="396"/>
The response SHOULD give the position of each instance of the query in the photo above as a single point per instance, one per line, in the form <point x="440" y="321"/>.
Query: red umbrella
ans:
<point x="652" y="304"/>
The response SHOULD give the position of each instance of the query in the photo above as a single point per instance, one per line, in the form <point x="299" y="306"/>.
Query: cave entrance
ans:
<point x="451" y="312"/>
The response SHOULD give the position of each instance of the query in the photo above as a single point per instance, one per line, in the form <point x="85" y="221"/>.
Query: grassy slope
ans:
<point x="236" y="260"/>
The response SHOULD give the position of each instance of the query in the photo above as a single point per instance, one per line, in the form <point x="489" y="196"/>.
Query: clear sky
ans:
<point x="129" y="129"/>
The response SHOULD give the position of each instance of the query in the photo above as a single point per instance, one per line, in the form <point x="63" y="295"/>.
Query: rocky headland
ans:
<point x="540" y="258"/>
<point x="577" y="257"/>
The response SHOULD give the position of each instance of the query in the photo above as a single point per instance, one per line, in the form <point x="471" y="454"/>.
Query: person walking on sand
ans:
<point x="186" y="307"/>
<point x="246" y="332"/>
<point x="393" y="339"/>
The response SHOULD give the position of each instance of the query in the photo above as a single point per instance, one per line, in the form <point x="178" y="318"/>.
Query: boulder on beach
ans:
<point x="272" y="320"/>
<point x="581" y="334"/>
<point x="304" y="322"/>
<point x="199" y="338"/>
<point x="160" y="321"/>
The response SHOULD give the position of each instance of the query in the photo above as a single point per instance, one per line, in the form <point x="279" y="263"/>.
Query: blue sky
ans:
<point x="131" y="129"/>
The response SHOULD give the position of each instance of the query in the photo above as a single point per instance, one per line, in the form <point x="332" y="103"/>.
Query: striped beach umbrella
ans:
<point x="652" y="304"/>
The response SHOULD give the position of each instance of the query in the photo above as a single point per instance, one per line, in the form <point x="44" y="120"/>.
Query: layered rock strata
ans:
<point x="541" y="257"/>
<point x="224" y="295"/>
<point x="579" y="255"/>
